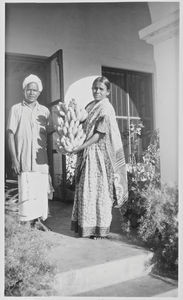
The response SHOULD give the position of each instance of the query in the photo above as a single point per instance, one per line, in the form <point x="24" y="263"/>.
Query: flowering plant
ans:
<point x="135" y="134"/>
<point x="140" y="175"/>
<point x="132" y="136"/>
<point x="70" y="170"/>
<point x="147" y="170"/>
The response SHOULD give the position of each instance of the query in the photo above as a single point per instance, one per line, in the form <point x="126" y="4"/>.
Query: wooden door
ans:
<point x="131" y="96"/>
<point x="56" y="94"/>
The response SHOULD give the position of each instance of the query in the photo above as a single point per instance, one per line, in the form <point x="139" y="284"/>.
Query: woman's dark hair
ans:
<point x="103" y="80"/>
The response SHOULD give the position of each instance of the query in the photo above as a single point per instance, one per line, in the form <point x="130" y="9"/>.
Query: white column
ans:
<point x="164" y="36"/>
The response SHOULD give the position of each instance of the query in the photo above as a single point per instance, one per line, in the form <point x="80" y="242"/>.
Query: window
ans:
<point x="131" y="97"/>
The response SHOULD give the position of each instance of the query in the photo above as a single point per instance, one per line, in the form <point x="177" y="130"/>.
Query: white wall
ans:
<point x="160" y="10"/>
<point x="166" y="54"/>
<point x="163" y="35"/>
<point x="91" y="35"/>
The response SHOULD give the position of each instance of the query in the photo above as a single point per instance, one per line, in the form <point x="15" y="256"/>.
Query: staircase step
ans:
<point x="168" y="294"/>
<point x="111" y="267"/>
<point x="85" y="265"/>
<point x="145" y="286"/>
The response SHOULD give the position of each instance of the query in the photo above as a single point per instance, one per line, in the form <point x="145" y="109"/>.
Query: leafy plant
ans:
<point x="70" y="169"/>
<point x="141" y="175"/>
<point x="132" y="137"/>
<point x="28" y="271"/>
<point x="11" y="196"/>
<point x="152" y="209"/>
<point x="158" y="227"/>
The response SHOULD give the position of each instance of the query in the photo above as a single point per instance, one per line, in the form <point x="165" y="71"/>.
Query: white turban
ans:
<point x="33" y="78"/>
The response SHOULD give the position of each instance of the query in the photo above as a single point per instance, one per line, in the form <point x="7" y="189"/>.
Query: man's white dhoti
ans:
<point x="33" y="195"/>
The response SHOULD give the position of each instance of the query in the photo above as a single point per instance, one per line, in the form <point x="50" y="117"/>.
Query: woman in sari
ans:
<point x="101" y="177"/>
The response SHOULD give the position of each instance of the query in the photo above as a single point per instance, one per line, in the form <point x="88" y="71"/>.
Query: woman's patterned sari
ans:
<point x="101" y="177"/>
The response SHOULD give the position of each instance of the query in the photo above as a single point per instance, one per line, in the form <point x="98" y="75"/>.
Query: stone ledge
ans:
<point x="161" y="30"/>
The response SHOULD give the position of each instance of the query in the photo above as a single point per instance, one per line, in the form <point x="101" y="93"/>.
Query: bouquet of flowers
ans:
<point x="69" y="127"/>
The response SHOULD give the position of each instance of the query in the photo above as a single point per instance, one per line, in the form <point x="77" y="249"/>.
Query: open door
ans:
<point x="57" y="160"/>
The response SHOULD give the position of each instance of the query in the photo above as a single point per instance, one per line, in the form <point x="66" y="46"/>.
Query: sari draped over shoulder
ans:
<point x="101" y="176"/>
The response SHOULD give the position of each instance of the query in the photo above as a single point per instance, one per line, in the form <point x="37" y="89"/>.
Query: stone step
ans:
<point x="145" y="286"/>
<point x="85" y="265"/>
<point x="109" y="267"/>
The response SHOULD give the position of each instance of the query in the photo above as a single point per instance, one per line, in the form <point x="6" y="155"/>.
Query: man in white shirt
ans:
<point x="28" y="125"/>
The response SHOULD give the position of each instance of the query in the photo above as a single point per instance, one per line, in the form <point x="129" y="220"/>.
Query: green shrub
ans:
<point x="158" y="227"/>
<point x="11" y="197"/>
<point x="27" y="269"/>
<point x="150" y="214"/>
<point x="141" y="175"/>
